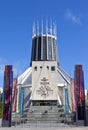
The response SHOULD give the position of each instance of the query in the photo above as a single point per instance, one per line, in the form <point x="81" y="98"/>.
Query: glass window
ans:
<point x="40" y="67"/>
<point x="52" y="68"/>
<point x="35" y="68"/>
<point x="48" y="67"/>
<point x="39" y="48"/>
<point x="49" y="48"/>
<point x="44" y="49"/>
<point x="54" y="49"/>
<point x="34" y="48"/>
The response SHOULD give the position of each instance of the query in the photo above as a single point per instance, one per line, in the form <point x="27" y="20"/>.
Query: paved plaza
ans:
<point x="46" y="128"/>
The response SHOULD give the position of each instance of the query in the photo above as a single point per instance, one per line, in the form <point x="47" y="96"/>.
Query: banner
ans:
<point x="73" y="96"/>
<point x="14" y="94"/>
<point x="18" y="98"/>
<point x="7" y="96"/>
<point x="79" y="92"/>
<point x="21" y="101"/>
<point x="66" y="101"/>
<point x="69" y="98"/>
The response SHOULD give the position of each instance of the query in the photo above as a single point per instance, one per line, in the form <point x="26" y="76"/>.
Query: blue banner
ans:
<point x="66" y="101"/>
<point x="21" y="101"/>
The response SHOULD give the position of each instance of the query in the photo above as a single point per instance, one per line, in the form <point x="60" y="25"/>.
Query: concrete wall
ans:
<point x="41" y="70"/>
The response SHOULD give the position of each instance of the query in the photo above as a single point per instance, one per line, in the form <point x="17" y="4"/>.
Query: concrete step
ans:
<point x="43" y="114"/>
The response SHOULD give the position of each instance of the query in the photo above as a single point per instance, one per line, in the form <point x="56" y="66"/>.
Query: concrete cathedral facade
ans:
<point x="44" y="89"/>
<point x="44" y="93"/>
<point x="44" y="82"/>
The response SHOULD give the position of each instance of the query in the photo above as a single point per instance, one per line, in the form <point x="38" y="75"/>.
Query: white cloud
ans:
<point x="72" y="17"/>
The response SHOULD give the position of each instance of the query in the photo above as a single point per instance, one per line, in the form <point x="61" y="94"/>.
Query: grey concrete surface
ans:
<point x="49" y="128"/>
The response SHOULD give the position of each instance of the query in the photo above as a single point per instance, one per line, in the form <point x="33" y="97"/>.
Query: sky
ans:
<point x="16" y="22"/>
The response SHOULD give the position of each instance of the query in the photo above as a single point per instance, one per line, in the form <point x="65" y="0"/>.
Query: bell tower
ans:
<point x="44" y="65"/>
<point x="44" y="40"/>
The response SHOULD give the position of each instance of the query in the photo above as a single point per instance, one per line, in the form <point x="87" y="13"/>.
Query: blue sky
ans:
<point x="16" y="21"/>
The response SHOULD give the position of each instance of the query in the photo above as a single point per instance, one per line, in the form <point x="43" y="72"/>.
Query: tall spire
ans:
<point x="34" y="29"/>
<point x="46" y="27"/>
<point x="42" y="27"/>
<point x="51" y="27"/>
<point x="37" y="27"/>
<point x="54" y="29"/>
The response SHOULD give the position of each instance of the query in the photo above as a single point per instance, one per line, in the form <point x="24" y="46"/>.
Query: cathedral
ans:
<point x="45" y="83"/>
<point x="44" y="92"/>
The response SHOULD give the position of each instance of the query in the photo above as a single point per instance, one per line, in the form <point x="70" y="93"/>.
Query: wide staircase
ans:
<point x="49" y="115"/>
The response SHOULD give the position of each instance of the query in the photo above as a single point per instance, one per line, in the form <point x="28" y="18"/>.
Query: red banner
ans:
<point x="14" y="93"/>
